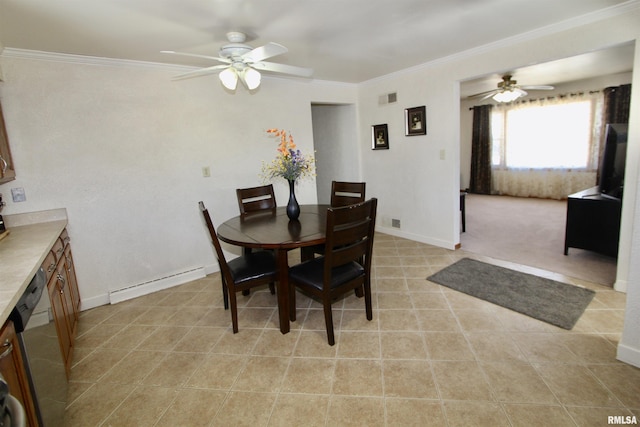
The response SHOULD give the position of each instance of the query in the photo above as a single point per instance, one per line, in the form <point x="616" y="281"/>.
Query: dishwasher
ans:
<point x="42" y="356"/>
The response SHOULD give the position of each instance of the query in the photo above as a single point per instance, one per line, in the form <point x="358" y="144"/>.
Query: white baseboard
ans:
<point x="97" y="301"/>
<point x="155" y="285"/>
<point x="416" y="238"/>
<point x="628" y="355"/>
<point x="620" y="286"/>
<point x="120" y="295"/>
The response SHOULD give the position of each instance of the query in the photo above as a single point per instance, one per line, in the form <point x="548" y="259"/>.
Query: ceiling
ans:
<point x="347" y="41"/>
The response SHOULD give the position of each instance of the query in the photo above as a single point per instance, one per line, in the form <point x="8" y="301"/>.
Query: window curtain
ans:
<point x="617" y="102"/>
<point x="480" y="179"/>
<point x="551" y="183"/>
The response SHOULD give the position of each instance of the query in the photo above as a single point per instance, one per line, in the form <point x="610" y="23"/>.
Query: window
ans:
<point x="544" y="135"/>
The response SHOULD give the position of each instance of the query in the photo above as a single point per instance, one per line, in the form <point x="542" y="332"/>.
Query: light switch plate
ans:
<point x="18" y="195"/>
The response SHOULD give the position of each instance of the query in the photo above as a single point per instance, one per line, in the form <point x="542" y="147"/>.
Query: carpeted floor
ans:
<point x="530" y="232"/>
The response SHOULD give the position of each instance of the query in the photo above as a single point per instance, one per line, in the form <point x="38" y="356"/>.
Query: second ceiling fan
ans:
<point x="243" y="62"/>
<point x="508" y="90"/>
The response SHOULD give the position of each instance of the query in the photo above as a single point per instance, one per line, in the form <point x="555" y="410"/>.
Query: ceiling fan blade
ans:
<point x="542" y="87"/>
<point x="484" y="95"/>
<point x="200" y="72"/>
<point x="489" y="95"/>
<point x="194" y="55"/>
<point x="282" y="68"/>
<point x="263" y="52"/>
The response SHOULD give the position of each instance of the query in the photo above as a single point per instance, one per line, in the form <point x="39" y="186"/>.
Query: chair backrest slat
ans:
<point x="350" y="231"/>
<point x="256" y="198"/>
<point x="347" y="193"/>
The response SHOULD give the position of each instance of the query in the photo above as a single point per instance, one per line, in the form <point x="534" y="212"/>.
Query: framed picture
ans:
<point x="379" y="137"/>
<point x="415" y="121"/>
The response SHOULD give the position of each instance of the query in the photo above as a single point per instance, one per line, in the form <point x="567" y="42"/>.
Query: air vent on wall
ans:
<point x="388" y="98"/>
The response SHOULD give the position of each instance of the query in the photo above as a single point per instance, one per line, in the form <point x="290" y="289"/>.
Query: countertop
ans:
<point x="31" y="237"/>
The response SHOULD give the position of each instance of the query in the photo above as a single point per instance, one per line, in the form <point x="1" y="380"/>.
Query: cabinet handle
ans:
<point x="52" y="267"/>
<point x="62" y="281"/>
<point x="8" y="349"/>
<point x="4" y="165"/>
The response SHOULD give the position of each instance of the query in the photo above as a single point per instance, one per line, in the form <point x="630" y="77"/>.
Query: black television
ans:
<point x="614" y="158"/>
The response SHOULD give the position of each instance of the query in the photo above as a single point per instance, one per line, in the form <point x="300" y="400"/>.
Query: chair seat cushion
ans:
<point x="253" y="266"/>
<point x="311" y="273"/>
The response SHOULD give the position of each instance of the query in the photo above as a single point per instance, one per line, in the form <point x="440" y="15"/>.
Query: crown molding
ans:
<point x="39" y="55"/>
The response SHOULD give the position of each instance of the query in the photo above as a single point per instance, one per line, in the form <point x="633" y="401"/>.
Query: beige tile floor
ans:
<point x="430" y="357"/>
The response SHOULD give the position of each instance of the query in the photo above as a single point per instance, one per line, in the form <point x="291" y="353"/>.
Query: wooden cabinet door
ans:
<point x="7" y="171"/>
<point x="56" y="288"/>
<point x="13" y="371"/>
<point x="73" y="282"/>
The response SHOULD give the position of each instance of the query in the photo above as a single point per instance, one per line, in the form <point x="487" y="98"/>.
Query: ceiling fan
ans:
<point x="243" y="62"/>
<point x="508" y="90"/>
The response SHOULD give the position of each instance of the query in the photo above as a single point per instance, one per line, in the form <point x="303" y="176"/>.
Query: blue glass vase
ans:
<point x="293" y="208"/>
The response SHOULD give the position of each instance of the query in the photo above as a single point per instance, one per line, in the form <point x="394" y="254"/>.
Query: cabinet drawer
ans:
<point x="58" y="249"/>
<point x="64" y="237"/>
<point x="49" y="265"/>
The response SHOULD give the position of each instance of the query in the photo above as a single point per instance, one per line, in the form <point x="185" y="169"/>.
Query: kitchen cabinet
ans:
<point x="13" y="371"/>
<point x="7" y="171"/>
<point x="63" y="292"/>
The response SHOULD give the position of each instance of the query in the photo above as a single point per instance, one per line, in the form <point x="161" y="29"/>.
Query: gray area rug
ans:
<point x="548" y="300"/>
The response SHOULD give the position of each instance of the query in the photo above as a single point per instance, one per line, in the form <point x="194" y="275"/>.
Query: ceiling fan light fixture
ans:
<point x="251" y="78"/>
<point x="229" y="78"/>
<point x="508" y="95"/>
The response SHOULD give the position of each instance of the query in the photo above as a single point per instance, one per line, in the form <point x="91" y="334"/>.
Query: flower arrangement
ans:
<point x="290" y="163"/>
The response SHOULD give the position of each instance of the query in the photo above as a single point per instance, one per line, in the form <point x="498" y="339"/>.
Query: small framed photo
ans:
<point x="379" y="137"/>
<point x="415" y="120"/>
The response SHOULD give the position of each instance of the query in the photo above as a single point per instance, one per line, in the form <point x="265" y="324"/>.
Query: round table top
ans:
<point x="272" y="229"/>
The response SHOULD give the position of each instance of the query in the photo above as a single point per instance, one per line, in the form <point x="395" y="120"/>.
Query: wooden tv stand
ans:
<point x="593" y="222"/>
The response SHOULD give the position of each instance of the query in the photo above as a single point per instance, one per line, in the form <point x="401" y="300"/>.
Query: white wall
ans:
<point x="629" y="346"/>
<point x="419" y="186"/>
<point x="336" y="141"/>
<point x="122" y="149"/>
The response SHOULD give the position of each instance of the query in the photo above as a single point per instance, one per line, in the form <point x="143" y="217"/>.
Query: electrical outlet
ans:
<point x="18" y="195"/>
<point x="206" y="171"/>
<point x="395" y="223"/>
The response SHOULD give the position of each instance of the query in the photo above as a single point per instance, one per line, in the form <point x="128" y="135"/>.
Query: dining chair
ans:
<point x="347" y="193"/>
<point x="346" y="264"/>
<point x="256" y="199"/>
<point x="342" y="194"/>
<point x="242" y="273"/>
<point x="253" y="200"/>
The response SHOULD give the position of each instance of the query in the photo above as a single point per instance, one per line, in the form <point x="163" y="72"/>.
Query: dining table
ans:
<point x="271" y="229"/>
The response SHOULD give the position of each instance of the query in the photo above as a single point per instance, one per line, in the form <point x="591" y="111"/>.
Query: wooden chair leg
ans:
<point x="272" y="288"/>
<point x="359" y="292"/>
<point x="306" y="254"/>
<point x="246" y="251"/>
<point x="367" y="300"/>
<point x="292" y="302"/>
<point x="225" y="294"/>
<point x="234" y="311"/>
<point x="328" y="320"/>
